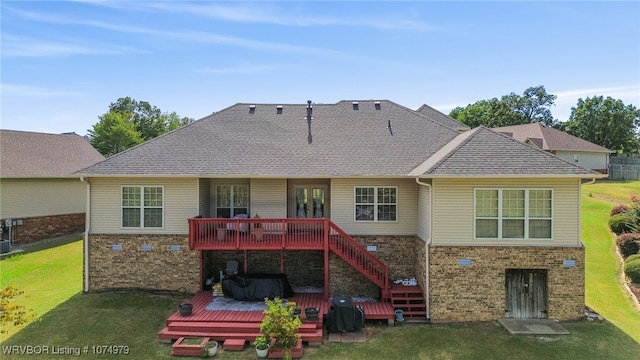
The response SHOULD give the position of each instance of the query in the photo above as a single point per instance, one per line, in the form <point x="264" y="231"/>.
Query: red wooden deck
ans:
<point x="222" y="325"/>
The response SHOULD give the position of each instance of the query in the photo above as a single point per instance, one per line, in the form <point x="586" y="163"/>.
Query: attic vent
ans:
<point x="355" y="105"/>
<point x="279" y="109"/>
<point x="252" y="109"/>
<point x="377" y="105"/>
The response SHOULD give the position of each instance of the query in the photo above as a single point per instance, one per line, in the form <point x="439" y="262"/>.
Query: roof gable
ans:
<point x="442" y="118"/>
<point x="483" y="152"/>
<point x="27" y="154"/>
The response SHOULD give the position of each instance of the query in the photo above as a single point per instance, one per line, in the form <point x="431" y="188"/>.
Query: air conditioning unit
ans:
<point x="5" y="246"/>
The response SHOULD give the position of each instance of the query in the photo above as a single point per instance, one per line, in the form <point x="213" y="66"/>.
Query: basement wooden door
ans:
<point x="526" y="294"/>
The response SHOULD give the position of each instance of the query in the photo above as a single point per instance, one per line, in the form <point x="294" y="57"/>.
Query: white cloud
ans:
<point x="630" y="92"/>
<point x="20" y="46"/>
<point x="25" y="91"/>
<point x="243" y="68"/>
<point x="261" y="13"/>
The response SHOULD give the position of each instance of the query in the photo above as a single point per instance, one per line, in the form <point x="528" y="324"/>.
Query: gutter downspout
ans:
<point x="580" y="243"/>
<point x="87" y="226"/>
<point x="428" y="244"/>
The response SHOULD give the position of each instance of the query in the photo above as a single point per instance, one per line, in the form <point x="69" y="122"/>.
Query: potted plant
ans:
<point x="210" y="349"/>
<point x="258" y="230"/>
<point x="262" y="345"/>
<point x="281" y="326"/>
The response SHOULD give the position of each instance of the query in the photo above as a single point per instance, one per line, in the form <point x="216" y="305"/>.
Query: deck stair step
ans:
<point x="236" y="327"/>
<point x="410" y="299"/>
<point x="233" y="344"/>
<point x="166" y="334"/>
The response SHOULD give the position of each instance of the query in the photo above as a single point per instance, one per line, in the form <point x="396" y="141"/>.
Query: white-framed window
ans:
<point x="513" y="213"/>
<point x="232" y="200"/>
<point x="376" y="203"/>
<point x="142" y="206"/>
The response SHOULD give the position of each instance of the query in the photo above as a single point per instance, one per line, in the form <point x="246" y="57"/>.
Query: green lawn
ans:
<point x="604" y="290"/>
<point x="53" y="277"/>
<point x="48" y="276"/>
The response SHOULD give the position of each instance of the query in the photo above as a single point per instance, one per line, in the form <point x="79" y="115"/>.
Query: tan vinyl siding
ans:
<point x="453" y="220"/>
<point x="204" y="196"/>
<point x="268" y="198"/>
<point x="342" y="207"/>
<point x="180" y="203"/>
<point x="589" y="160"/>
<point x="41" y="197"/>
<point x="424" y="211"/>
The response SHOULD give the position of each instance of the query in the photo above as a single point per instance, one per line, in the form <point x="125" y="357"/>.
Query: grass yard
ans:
<point x="133" y="320"/>
<point x="47" y="276"/>
<point x="52" y="279"/>
<point x="604" y="288"/>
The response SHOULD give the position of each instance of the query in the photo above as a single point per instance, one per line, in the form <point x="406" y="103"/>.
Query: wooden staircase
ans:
<point x="349" y="250"/>
<point x="410" y="299"/>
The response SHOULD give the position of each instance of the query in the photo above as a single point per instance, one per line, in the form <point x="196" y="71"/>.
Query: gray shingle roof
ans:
<point x="442" y="118"/>
<point x="234" y="142"/>
<point x="550" y="139"/>
<point x="30" y="154"/>
<point x="483" y="152"/>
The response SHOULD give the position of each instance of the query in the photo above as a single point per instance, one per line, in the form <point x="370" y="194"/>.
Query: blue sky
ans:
<point x="63" y="63"/>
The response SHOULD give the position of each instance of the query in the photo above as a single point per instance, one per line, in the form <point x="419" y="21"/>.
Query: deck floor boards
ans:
<point x="225" y="319"/>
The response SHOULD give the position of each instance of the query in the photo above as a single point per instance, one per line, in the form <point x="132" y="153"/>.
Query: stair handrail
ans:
<point x="380" y="269"/>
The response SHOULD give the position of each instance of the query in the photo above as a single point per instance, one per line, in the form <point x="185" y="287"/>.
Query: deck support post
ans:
<point x="326" y="258"/>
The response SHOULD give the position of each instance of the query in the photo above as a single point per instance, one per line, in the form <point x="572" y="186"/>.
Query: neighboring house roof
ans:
<point x="347" y="139"/>
<point x="482" y="152"/>
<point x="549" y="139"/>
<point x="442" y="118"/>
<point x="30" y="154"/>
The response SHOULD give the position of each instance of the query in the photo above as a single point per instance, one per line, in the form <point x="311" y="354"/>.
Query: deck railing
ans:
<point x="357" y="256"/>
<point x="256" y="233"/>
<point x="286" y="234"/>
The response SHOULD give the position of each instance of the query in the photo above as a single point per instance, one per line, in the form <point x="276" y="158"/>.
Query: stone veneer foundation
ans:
<point x="46" y="227"/>
<point x="121" y="261"/>
<point x="477" y="292"/>
<point x="405" y="256"/>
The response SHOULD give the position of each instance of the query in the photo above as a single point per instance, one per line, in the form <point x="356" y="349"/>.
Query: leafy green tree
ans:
<point x="606" y="122"/>
<point x="114" y="133"/>
<point x="534" y="106"/>
<point x="512" y="109"/>
<point x="129" y="122"/>
<point x="145" y="117"/>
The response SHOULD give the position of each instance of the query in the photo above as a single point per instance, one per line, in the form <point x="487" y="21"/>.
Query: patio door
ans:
<point x="310" y="201"/>
<point x="526" y="294"/>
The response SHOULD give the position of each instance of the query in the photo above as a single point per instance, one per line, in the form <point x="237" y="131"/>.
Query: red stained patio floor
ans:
<point x="221" y="324"/>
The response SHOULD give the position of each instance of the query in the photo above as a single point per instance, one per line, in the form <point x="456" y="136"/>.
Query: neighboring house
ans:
<point x="568" y="147"/>
<point x="39" y="194"/>
<point x="351" y="197"/>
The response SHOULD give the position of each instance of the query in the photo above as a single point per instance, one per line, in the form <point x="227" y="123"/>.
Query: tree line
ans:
<point x="604" y="121"/>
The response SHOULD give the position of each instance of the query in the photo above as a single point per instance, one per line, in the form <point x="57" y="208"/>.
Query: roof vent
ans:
<point x="252" y="109"/>
<point x="355" y="105"/>
<point x="279" y="109"/>
<point x="377" y="105"/>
